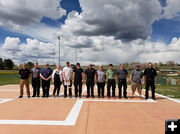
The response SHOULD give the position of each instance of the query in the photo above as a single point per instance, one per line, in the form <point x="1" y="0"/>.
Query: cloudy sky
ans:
<point x="101" y="31"/>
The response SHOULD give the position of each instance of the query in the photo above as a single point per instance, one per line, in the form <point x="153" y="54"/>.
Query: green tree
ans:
<point x="1" y="64"/>
<point x="30" y="65"/>
<point x="8" y="64"/>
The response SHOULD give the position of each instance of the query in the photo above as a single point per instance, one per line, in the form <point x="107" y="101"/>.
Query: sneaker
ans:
<point x="33" y="96"/>
<point x="29" y="97"/>
<point x="146" y="98"/>
<point x="20" y="96"/>
<point x="154" y="98"/>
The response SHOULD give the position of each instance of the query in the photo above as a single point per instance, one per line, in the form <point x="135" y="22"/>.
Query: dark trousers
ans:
<point x="57" y="86"/>
<point x="45" y="87"/>
<point x="111" y="83"/>
<point x="70" y="89"/>
<point x="122" y="83"/>
<point x="36" y="86"/>
<point x="100" y="86"/>
<point x="148" y="84"/>
<point x="78" y="87"/>
<point x="90" y="85"/>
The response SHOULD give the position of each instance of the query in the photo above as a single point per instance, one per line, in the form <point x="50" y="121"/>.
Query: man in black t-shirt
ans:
<point x="90" y="80"/>
<point x="24" y="80"/>
<point x="78" y="75"/>
<point x="149" y="75"/>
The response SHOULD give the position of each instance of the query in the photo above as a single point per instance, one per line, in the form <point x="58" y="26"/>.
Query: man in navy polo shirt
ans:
<point x="90" y="80"/>
<point x="122" y="75"/>
<point x="46" y="74"/>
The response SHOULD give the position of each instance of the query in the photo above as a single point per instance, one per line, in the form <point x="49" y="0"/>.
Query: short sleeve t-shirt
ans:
<point x="90" y="74"/>
<point x="137" y="76"/>
<point x="46" y="72"/>
<point x="150" y="73"/>
<point x="78" y="74"/>
<point x="67" y="72"/>
<point x="24" y="73"/>
<point x="122" y="73"/>
<point x="36" y="72"/>
<point x="101" y="76"/>
<point x="110" y="74"/>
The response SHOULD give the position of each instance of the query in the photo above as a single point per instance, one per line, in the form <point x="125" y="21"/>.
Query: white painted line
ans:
<point x="145" y="101"/>
<point x="73" y="115"/>
<point x="69" y="121"/>
<point x="5" y="100"/>
<point x="175" y="100"/>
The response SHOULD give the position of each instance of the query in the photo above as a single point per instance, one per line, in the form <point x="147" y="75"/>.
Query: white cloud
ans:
<point x="172" y="9"/>
<point x="18" y="14"/>
<point x="105" y="32"/>
<point x="125" y="20"/>
<point x="106" y="50"/>
<point x="24" y="16"/>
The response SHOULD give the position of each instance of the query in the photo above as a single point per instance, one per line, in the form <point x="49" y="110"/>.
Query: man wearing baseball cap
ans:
<point x="136" y="78"/>
<point x="46" y="74"/>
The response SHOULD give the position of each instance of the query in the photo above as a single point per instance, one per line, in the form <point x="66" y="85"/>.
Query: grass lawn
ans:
<point x="169" y="90"/>
<point x="9" y="77"/>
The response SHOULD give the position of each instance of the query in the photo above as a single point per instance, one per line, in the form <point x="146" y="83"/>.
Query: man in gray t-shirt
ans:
<point x="136" y="79"/>
<point x="101" y="76"/>
<point x="36" y="80"/>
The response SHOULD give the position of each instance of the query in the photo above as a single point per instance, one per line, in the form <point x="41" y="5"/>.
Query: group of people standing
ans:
<point x="90" y="76"/>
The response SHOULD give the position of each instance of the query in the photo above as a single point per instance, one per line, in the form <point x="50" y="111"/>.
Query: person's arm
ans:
<point x="131" y="78"/>
<point x="116" y="75"/>
<point x="106" y="75"/>
<point x="53" y="76"/>
<point x="42" y="77"/>
<point x="126" y="73"/>
<point x="19" y="73"/>
<point x="73" y="76"/>
<point x="50" y="75"/>
<point x="30" y="74"/>
<point x="95" y="76"/>
<point x="155" y="73"/>
<point x="83" y="77"/>
<point x="144" y="76"/>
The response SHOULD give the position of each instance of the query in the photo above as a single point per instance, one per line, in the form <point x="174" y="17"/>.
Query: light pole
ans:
<point x="59" y="49"/>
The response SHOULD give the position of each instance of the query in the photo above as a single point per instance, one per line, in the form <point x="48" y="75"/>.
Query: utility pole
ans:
<point x="59" y="50"/>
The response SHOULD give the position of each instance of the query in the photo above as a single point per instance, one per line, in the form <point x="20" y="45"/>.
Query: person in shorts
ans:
<point x="136" y="79"/>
